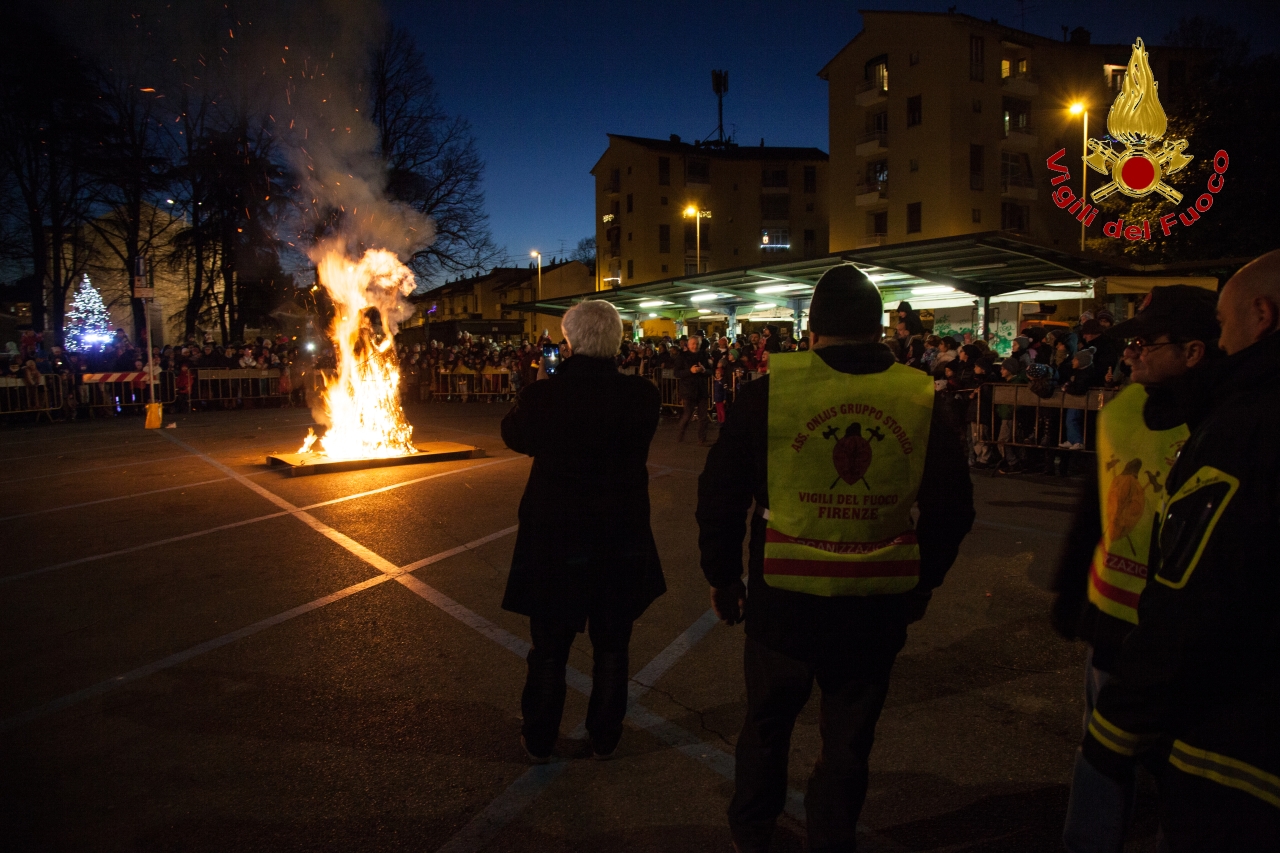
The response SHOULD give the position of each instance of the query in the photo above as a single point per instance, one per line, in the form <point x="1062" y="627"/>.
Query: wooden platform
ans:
<point x="303" y="464"/>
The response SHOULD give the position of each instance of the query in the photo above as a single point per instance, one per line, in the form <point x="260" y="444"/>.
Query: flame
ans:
<point x="1136" y="116"/>
<point x="361" y="405"/>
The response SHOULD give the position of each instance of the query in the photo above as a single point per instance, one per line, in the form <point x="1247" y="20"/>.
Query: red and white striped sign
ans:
<point x="132" y="376"/>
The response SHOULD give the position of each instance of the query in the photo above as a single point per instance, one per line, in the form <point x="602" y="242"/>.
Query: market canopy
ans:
<point x="940" y="273"/>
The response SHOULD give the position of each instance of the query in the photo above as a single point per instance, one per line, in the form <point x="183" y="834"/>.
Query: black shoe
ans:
<point x="533" y="759"/>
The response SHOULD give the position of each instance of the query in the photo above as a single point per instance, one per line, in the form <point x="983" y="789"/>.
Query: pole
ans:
<point x="151" y="364"/>
<point x="697" y="243"/>
<point x="1084" y="173"/>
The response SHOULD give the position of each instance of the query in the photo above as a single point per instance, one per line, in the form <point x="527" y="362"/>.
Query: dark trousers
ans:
<point x="694" y="404"/>
<point x="544" y="689"/>
<point x="777" y="689"/>
<point x="1198" y="815"/>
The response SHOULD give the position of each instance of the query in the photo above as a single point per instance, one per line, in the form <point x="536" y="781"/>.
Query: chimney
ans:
<point x="1080" y="36"/>
<point x="762" y="142"/>
<point x="675" y="137"/>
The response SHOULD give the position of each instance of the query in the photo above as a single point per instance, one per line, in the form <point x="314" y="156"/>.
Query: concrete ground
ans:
<point x="202" y="654"/>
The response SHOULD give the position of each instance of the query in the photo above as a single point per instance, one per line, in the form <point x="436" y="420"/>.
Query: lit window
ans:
<point x="775" y="239"/>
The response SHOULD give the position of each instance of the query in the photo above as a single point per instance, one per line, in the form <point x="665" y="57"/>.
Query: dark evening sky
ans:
<point x="542" y="83"/>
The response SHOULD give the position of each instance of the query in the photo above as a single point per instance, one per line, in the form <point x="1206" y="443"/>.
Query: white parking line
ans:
<point x="243" y="479"/>
<point x="96" y="468"/>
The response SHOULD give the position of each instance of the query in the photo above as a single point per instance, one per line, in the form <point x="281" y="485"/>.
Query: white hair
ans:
<point x="593" y="328"/>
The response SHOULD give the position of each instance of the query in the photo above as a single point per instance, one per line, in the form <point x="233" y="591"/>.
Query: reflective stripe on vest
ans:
<point x="1133" y="466"/>
<point x="846" y="457"/>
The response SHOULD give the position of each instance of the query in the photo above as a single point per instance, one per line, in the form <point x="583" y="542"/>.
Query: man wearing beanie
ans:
<point x="834" y="447"/>
<point x="1104" y="569"/>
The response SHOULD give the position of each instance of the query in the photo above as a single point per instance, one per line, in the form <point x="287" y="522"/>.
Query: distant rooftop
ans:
<point x="726" y="151"/>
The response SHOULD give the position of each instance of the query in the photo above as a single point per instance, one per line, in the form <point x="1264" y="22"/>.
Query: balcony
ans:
<point x="870" y="240"/>
<point x="612" y="187"/>
<point x="869" y="93"/>
<point x="1021" y="139"/>
<point x="1022" y="86"/>
<point x="869" y="144"/>
<point x="614" y="250"/>
<point x="871" y="193"/>
<point x="1017" y="191"/>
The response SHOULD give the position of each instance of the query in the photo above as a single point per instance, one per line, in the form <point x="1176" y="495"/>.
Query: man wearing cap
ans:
<point x="1104" y="570"/>
<point x="835" y="446"/>
<point x="1195" y="689"/>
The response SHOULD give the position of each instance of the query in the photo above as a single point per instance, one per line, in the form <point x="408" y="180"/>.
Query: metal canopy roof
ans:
<point x="981" y="265"/>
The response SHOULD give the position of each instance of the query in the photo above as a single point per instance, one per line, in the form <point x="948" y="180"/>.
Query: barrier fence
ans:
<point x="669" y="389"/>
<point x="464" y="384"/>
<point x="1036" y="421"/>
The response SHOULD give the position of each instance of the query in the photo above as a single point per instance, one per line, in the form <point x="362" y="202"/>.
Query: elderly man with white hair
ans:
<point x="585" y="555"/>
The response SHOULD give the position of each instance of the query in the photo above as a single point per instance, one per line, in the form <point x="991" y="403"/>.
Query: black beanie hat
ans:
<point x="845" y="304"/>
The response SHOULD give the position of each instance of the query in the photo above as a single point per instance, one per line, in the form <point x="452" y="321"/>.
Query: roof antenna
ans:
<point x="720" y="85"/>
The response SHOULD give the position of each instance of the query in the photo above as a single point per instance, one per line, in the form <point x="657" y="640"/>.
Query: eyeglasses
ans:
<point x="1141" y="345"/>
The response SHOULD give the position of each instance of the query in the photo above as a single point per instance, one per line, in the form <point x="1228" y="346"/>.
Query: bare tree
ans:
<point x="585" y="251"/>
<point x="431" y="160"/>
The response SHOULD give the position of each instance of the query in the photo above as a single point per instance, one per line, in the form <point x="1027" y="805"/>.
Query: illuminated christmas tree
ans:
<point x="88" y="323"/>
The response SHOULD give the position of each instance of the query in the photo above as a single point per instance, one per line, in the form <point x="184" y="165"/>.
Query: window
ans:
<point x="977" y="105"/>
<point x="630" y="203"/>
<point x="615" y="180"/>
<point x="913" y="165"/>
<point x="773" y="176"/>
<point x="628" y="236"/>
<point x="628" y="170"/>
<point x="878" y="224"/>
<point x="614" y="237"/>
<point x="876" y="72"/>
<point x="1022" y="67"/>
<point x="1015" y="170"/>
<point x="1114" y="75"/>
<point x="614" y="208"/>
<point x="977" y="214"/>
<point x="1014" y="217"/>
<point x="664" y="239"/>
<point x="664" y="267"/>
<point x="664" y="172"/>
<point x="811" y="179"/>
<point x="775" y="240"/>
<point x="631" y="269"/>
<point x="1006" y="69"/>
<point x="913" y="218"/>
<point x="808" y="208"/>
<point x="977" y="58"/>
<point x="662" y="201"/>
<point x="975" y="167"/>
<point x="915" y="114"/>
<point x="810" y="243"/>
<point x="692" y="235"/>
<point x="1017" y="116"/>
<point x="775" y="206"/>
<point x="878" y="122"/>
<point x="913" y="58"/>
<point x="877" y="174"/>
<point x="697" y="170"/>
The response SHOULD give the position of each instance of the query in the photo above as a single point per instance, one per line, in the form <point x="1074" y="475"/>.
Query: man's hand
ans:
<point x="730" y="602"/>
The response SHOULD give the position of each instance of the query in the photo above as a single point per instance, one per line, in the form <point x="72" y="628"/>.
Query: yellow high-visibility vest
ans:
<point x="846" y="457"/>
<point x="1133" y="467"/>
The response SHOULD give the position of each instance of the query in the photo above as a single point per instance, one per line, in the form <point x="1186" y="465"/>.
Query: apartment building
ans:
<point x="483" y="304"/>
<point x="760" y="205"/>
<point x="940" y="124"/>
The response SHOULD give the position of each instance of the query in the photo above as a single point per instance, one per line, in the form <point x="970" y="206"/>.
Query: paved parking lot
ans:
<point x="203" y="654"/>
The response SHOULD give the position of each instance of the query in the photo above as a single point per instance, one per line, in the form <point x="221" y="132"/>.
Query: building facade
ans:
<point x="760" y="205"/>
<point x="481" y="305"/>
<point x="940" y="125"/>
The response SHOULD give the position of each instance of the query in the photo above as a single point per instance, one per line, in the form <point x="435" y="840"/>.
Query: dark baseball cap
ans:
<point x="1180" y="311"/>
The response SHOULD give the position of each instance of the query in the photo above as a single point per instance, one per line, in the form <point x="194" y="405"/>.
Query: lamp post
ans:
<point x="1078" y="109"/>
<point x="538" y="295"/>
<point x="697" y="215"/>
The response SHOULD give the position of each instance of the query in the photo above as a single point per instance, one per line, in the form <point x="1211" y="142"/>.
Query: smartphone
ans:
<point x="551" y="358"/>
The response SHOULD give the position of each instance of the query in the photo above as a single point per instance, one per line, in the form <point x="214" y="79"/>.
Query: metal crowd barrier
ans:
<point x="17" y="397"/>
<point x="1040" y="422"/>
<point x="223" y="385"/>
<point x="464" y="384"/>
<point x="119" y="391"/>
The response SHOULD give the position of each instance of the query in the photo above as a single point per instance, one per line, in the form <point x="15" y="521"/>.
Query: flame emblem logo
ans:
<point x="1138" y="122"/>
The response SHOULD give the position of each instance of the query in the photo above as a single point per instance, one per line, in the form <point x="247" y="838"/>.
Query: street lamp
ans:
<point x="1079" y="109"/>
<point x="697" y="215"/>
<point x="536" y="254"/>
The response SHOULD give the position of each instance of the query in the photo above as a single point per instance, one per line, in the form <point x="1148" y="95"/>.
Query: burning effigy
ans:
<point x="360" y="404"/>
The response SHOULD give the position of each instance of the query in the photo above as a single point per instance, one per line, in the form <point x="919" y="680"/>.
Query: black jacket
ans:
<point x="693" y="385"/>
<point x="584" y="544"/>
<point x="807" y="627"/>
<point x="1200" y="669"/>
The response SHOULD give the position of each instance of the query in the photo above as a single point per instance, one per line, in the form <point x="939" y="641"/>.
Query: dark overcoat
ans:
<point x="584" y="546"/>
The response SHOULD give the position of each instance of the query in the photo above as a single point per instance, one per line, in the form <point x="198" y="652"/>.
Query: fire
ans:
<point x="361" y="405"/>
<point x="1136" y="116"/>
